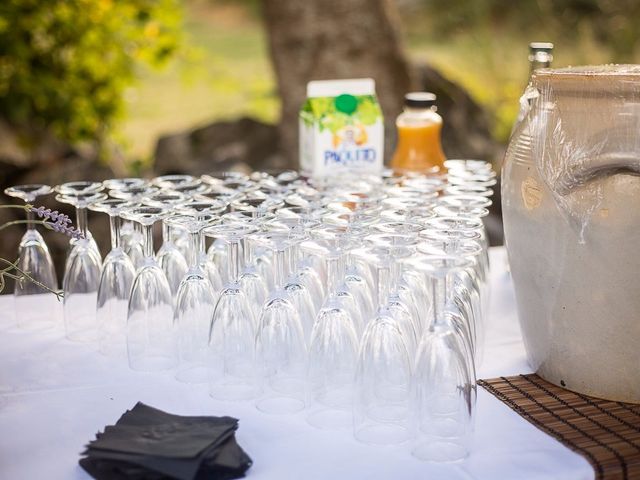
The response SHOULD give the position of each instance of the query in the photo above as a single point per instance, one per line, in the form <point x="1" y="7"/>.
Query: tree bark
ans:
<point x="335" y="39"/>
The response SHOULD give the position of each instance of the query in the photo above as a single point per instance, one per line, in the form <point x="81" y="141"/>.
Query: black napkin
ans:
<point x="149" y="444"/>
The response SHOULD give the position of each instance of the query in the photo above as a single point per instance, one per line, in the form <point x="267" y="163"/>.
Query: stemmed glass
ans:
<point x="381" y="405"/>
<point x="333" y="350"/>
<point x="34" y="258"/>
<point x="82" y="272"/>
<point x="198" y="208"/>
<point x="233" y="327"/>
<point x="391" y="248"/>
<point x="73" y="189"/>
<point x="444" y="388"/>
<point x="151" y="342"/>
<point x="170" y="258"/>
<point x="195" y="302"/>
<point x="115" y="284"/>
<point x="280" y="346"/>
<point x="131" y="233"/>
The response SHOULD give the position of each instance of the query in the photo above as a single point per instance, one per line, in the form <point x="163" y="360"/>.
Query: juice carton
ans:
<point x="341" y="128"/>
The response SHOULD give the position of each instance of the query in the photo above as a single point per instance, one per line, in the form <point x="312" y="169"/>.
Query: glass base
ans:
<point x="47" y="315"/>
<point x="233" y="391"/>
<point x="331" y="419"/>
<point x="279" y="405"/>
<point x="440" y="451"/>
<point x="382" y="434"/>
<point x="192" y="374"/>
<point x="152" y="363"/>
<point x="86" y="335"/>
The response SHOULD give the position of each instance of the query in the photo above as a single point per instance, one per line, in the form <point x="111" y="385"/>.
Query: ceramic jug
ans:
<point x="571" y="206"/>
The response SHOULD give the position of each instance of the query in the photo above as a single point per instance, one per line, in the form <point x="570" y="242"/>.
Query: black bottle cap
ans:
<point x="420" y="99"/>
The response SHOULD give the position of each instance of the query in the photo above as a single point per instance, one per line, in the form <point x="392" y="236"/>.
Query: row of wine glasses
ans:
<point x="358" y="300"/>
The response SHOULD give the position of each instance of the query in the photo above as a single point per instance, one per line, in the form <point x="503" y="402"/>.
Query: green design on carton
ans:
<point x="346" y="103"/>
<point x="334" y="113"/>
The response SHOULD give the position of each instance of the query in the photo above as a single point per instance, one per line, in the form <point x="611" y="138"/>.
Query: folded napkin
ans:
<point x="147" y="443"/>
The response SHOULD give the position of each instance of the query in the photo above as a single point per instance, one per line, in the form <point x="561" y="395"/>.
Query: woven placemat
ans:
<point x="606" y="433"/>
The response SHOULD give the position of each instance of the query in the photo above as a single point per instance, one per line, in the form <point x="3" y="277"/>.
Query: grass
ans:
<point x="223" y="72"/>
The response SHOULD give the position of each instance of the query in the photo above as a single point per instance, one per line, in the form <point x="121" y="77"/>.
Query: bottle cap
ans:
<point x="420" y="99"/>
<point x="541" y="47"/>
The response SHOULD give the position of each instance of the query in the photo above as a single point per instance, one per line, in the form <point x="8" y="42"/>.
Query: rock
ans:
<point x="245" y="144"/>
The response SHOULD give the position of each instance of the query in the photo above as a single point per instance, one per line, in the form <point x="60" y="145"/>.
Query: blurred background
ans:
<point x="92" y="89"/>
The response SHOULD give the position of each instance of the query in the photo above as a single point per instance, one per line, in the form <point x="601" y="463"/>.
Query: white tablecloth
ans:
<point x="56" y="394"/>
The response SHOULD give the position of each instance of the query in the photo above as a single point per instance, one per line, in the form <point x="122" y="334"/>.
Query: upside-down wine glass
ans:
<point x="195" y="303"/>
<point x="114" y="288"/>
<point x="381" y="413"/>
<point x="82" y="274"/>
<point x="34" y="258"/>
<point x="151" y="342"/>
<point x="169" y="257"/>
<point x="280" y="346"/>
<point x="333" y="350"/>
<point x="444" y="387"/>
<point x="232" y="371"/>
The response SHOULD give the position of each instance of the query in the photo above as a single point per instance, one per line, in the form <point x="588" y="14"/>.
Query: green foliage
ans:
<point x="613" y="23"/>
<point x="482" y="44"/>
<point x="64" y="64"/>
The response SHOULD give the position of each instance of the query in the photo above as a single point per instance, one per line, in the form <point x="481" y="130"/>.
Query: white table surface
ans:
<point x="56" y="394"/>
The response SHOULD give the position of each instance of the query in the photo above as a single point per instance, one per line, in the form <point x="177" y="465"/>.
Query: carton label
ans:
<point x="341" y="133"/>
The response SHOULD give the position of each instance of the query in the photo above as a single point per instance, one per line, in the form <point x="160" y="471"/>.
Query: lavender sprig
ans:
<point x="54" y="215"/>
<point x="59" y="221"/>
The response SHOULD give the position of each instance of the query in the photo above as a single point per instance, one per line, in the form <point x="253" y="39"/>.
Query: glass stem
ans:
<point x="114" y="224"/>
<point x="166" y="232"/>
<point x="194" y="236"/>
<point x="395" y="276"/>
<point x="147" y="234"/>
<point x="439" y="291"/>
<point x="247" y="251"/>
<point x="279" y="260"/>
<point x="31" y="216"/>
<point x="332" y="274"/>
<point x="382" y="285"/>
<point x="293" y="259"/>
<point x="81" y="219"/>
<point x="234" y="260"/>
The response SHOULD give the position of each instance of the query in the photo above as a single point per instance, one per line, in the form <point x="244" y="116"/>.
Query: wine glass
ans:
<point x="233" y="327"/>
<point x="381" y="408"/>
<point x="444" y="389"/>
<point x="169" y="257"/>
<point x="151" y="335"/>
<point x="280" y="346"/>
<point x="195" y="303"/>
<point x="34" y="258"/>
<point x="196" y="208"/>
<point x="82" y="273"/>
<point x="74" y="189"/>
<point x="114" y="288"/>
<point x="171" y="181"/>
<point x="131" y="233"/>
<point x="123" y="183"/>
<point x="333" y="349"/>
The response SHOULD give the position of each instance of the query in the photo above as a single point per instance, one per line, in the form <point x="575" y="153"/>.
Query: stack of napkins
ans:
<point x="147" y="443"/>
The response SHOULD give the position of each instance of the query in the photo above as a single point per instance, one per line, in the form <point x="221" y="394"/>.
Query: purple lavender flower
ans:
<point x="59" y="222"/>
<point x="54" y="215"/>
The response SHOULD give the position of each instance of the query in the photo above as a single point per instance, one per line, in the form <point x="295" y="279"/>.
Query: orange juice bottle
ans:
<point x="419" y="147"/>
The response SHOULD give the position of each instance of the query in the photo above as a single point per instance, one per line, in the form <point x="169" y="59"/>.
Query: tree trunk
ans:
<point x="334" y="39"/>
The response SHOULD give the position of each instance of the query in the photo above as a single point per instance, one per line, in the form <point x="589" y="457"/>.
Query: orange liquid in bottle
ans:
<point x="419" y="147"/>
